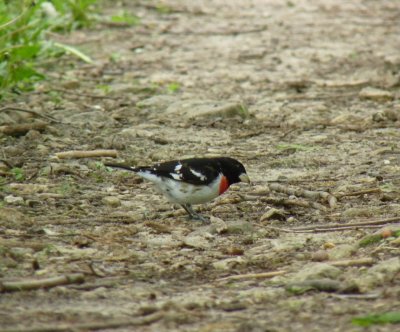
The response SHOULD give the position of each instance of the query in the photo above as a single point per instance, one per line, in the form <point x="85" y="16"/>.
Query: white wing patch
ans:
<point x="178" y="168"/>
<point x="198" y="174"/>
<point x="150" y="176"/>
<point x="176" y="176"/>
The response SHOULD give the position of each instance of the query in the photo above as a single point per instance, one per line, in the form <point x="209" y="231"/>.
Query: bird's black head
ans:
<point x="233" y="170"/>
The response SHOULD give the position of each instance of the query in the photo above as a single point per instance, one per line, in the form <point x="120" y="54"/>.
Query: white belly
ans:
<point x="183" y="193"/>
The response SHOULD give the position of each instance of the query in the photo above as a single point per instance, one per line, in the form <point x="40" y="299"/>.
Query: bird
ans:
<point x="191" y="181"/>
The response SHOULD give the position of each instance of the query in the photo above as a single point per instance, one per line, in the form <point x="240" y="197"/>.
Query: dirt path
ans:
<point x="305" y="93"/>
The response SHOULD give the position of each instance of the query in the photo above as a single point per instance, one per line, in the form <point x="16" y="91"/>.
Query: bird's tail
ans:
<point x="125" y="167"/>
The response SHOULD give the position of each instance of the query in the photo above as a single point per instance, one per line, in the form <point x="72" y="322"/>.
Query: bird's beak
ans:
<point x="244" y="178"/>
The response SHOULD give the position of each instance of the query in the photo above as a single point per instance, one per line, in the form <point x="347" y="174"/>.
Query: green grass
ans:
<point x="25" y="27"/>
<point x="173" y="87"/>
<point x="18" y="173"/>
<point x="125" y="18"/>
<point x="374" y="319"/>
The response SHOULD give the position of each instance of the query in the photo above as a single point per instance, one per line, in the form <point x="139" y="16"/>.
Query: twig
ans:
<point x="370" y="296"/>
<point x="330" y="199"/>
<point x="91" y="326"/>
<point x="91" y="220"/>
<point x="263" y="275"/>
<point x="12" y="108"/>
<point x="83" y="94"/>
<point x="361" y="192"/>
<point x="354" y="262"/>
<point x="14" y="286"/>
<point x="37" y="246"/>
<point x="15" y="19"/>
<point x="86" y="154"/>
<point x="322" y="96"/>
<point x="337" y="227"/>
<point x="362" y="223"/>
<point x="22" y="129"/>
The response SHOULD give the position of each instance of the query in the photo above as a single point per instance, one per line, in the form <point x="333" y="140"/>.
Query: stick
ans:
<point x="86" y="154"/>
<point x="330" y="199"/>
<point x="37" y="246"/>
<point x="91" y="326"/>
<point x="71" y="92"/>
<point x="354" y="262"/>
<point x="253" y="276"/>
<point x="361" y="192"/>
<point x="361" y="223"/>
<point x="12" y="108"/>
<point x="22" y="129"/>
<point x="14" y="286"/>
<point x="337" y="227"/>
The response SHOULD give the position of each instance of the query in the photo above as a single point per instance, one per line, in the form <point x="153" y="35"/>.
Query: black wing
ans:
<point x="196" y="171"/>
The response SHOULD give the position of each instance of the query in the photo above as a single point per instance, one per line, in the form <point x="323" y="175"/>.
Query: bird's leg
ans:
<point x="194" y="215"/>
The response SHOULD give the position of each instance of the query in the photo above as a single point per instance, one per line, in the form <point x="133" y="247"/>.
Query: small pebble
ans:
<point x="111" y="201"/>
<point x="320" y="256"/>
<point x="16" y="200"/>
<point x="329" y="245"/>
<point x="273" y="213"/>
<point x="376" y="94"/>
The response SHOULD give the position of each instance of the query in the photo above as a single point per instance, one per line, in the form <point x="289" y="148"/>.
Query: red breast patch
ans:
<point x="223" y="185"/>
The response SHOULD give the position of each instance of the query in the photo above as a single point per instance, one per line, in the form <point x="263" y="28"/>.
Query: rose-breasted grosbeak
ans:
<point x="192" y="181"/>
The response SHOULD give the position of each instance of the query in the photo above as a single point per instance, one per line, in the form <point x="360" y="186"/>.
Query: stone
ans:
<point x="383" y="272"/>
<point x="229" y="263"/>
<point x="273" y="213"/>
<point x="342" y="251"/>
<point x="196" y="241"/>
<point x="111" y="201"/>
<point x="219" y="224"/>
<point x="14" y="200"/>
<point x="376" y="94"/>
<point x="317" y="271"/>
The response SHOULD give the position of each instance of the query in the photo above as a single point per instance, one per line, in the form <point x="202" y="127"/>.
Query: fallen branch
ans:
<point x="370" y="296"/>
<point x="22" y="129"/>
<point x="14" y="286"/>
<point x="37" y="246"/>
<point x="19" y="109"/>
<point x="361" y="192"/>
<point x="86" y="154"/>
<point x="355" y="224"/>
<point x="319" y="230"/>
<point x="366" y="261"/>
<point x="86" y="95"/>
<point x="91" y="326"/>
<point x="263" y="275"/>
<point x="330" y="199"/>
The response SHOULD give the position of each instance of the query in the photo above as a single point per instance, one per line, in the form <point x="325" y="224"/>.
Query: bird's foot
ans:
<point x="193" y="215"/>
<point x="199" y="217"/>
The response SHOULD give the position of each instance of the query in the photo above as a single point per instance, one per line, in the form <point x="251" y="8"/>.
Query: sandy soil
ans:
<point x="304" y="93"/>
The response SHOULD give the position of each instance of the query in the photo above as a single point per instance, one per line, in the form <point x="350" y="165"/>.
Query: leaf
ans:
<point x="25" y="72"/>
<point x="74" y="51"/>
<point x="385" y="318"/>
<point x="18" y="173"/>
<point x="125" y="18"/>
<point x="173" y="87"/>
<point x="26" y="51"/>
